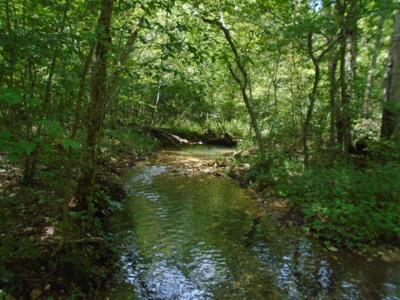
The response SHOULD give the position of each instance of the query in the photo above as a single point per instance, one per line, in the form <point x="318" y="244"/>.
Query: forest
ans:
<point x="97" y="97"/>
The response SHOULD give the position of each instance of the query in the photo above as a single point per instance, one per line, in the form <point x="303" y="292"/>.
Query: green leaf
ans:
<point x="5" y="135"/>
<point x="114" y="205"/>
<point x="68" y="143"/>
<point x="11" y="97"/>
<point x="32" y="102"/>
<point x="25" y="147"/>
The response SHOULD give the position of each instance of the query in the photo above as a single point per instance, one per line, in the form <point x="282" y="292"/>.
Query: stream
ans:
<point x="185" y="236"/>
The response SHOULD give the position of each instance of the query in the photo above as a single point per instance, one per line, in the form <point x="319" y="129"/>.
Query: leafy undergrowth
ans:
<point x="342" y="205"/>
<point x="47" y="249"/>
<point x="44" y="253"/>
<point x="132" y="144"/>
<point x="348" y="206"/>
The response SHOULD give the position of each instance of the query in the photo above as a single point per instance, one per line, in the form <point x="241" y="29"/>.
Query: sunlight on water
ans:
<point x="199" y="237"/>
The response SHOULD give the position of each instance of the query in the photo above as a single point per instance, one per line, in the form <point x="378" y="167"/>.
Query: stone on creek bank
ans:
<point x="212" y="167"/>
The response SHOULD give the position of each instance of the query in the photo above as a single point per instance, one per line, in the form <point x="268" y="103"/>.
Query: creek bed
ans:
<point x="201" y="237"/>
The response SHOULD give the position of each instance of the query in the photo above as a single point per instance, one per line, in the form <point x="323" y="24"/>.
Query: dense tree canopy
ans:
<point x="307" y="68"/>
<point x="315" y="82"/>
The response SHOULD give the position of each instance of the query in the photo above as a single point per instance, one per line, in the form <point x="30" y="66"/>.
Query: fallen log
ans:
<point x="167" y="138"/>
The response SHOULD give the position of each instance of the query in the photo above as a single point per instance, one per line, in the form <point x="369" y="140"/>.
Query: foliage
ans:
<point x="304" y="79"/>
<point x="136" y="142"/>
<point x="343" y="205"/>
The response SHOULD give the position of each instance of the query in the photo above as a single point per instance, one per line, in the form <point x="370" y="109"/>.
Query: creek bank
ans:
<point x="289" y="214"/>
<point x="48" y="259"/>
<point x="284" y="211"/>
<point x="43" y="254"/>
<point x="170" y="210"/>
<point x="175" y="137"/>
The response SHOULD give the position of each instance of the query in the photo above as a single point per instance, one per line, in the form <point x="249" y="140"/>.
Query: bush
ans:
<point x="134" y="141"/>
<point x="266" y="173"/>
<point x="348" y="206"/>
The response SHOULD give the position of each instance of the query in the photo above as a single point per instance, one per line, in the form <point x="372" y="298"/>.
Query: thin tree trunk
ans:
<point x="312" y="97"/>
<point x="68" y="191"/>
<point x="391" y="109"/>
<point x="96" y="108"/>
<point x="344" y="120"/>
<point x="49" y="84"/>
<point x="242" y="81"/>
<point x="81" y="92"/>
<point x="122" y="60"/>
<point x="12" y="59"/>
<point x="78" y="108"/>
<point x="367" y="107"/>
<point x="153" y="120"/>
<point x="351" y="22"/>
<point x="333" y="104"/>
<point x="31" y="160"/>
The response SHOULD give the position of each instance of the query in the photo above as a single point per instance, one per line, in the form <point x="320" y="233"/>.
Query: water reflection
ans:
<point x="192" y="238"/>
<point x="201" y="151"/>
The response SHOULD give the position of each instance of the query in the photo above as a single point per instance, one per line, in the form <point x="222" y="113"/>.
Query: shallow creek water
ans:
<point x="202" y="237"/>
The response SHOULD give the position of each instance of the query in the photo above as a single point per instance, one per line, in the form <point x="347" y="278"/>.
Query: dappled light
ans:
<point x="185" y="149"/>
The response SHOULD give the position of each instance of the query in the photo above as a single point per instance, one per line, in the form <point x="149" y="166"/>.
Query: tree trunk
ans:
<point x="153" y="119"/>
<point x="351" y="22"/>
<point x="243" y="82"/>
<point x="68" y="187"/>
<point x="311" y="99"/>
<point x="124" y="56"/>
<point x="81" y="92"/>
<point x="68" y="192"/>
<point x="391" y="109"/>
<point x="367" y="107"/>
<point x="333" y="104"/>
<point x="333" y="86"/>
<point x="344" y="122"/>
<point x="122" y="60"/>
<point x="98" y="101"/>
<point x="12" y="58"/>
<point x="31" y="160"/>
<point x="49" y="84"/>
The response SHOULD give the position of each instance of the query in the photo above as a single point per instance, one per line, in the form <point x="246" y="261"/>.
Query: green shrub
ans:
<point x="348" y="206"/>
<point x="134" y="141"/>
<point x="267" y="172"/>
